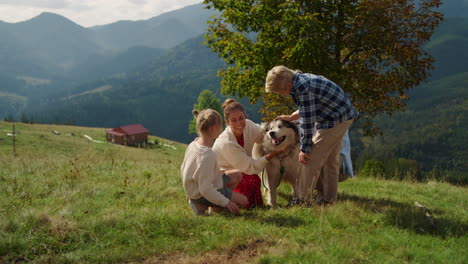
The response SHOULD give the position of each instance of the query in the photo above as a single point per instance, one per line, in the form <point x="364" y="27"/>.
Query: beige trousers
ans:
<point x="325" y="157"/>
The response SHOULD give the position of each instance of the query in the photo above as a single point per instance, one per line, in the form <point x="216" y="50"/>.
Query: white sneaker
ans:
<point x="198" y="209"/>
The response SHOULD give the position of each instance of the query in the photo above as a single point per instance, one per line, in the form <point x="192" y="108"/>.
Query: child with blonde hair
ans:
<point x="204" y="183"/>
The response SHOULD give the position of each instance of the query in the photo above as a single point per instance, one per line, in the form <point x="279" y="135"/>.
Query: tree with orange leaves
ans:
<point x="373" y="49"/>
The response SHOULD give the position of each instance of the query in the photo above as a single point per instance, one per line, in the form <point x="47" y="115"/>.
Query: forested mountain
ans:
<point x="448" y="46"/>
<point x="103" y="66"/>
<point x="50" y="44"/>
<point x="15" y="56"/>
<point x="50" y="40"/>
<point x="431" y="133"/>
<point x="159" y="95"/>
<point x="49" y="55"/>
<point x="58" y="44"/>
<point x="164" y="31"/>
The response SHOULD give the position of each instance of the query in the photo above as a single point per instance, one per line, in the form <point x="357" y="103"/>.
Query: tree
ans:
<point x="205" y="100"/>
<point x="372" y="48"/>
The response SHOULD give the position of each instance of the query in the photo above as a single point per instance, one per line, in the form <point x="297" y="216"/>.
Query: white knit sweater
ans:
<point x="231" y="155"/>
<point x="201" y="175"/>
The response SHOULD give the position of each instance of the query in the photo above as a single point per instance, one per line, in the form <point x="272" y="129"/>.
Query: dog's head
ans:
<point x="279" y="134"/>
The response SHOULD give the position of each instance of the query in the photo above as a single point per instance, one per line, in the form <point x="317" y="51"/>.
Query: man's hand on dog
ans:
<point x="292" y="117"/>
<point x="284" y="117"/>
<point x="303" y="157"/>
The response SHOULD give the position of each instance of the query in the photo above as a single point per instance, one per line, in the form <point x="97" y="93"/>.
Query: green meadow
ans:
<point x="66" y="199"/>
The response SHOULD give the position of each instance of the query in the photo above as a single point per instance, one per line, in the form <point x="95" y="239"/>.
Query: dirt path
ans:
<point x="246" y="253"/>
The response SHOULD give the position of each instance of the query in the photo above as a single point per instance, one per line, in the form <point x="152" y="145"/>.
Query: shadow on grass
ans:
<point x="287" y="197"/>
<point x="420" y="221"/>
<point x="281" y="221"/>
<point x="278" y="219"/>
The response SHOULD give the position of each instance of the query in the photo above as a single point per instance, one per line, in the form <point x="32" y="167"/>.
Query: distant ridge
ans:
<point x="48" y="16"/>
<point x="58" y="45"/>
<point x="163" y="31"/>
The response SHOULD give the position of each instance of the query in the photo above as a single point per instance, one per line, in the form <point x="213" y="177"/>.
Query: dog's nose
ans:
<point x="272" y="134"/>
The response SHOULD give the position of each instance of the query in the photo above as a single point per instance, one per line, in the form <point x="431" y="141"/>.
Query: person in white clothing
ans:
<point x="234" y="151"/>
<point x="204" y="183"/>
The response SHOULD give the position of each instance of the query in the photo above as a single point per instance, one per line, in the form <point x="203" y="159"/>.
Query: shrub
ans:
<point x="372" y="168"/>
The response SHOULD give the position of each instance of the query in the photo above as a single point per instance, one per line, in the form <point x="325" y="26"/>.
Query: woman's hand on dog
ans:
<point x="232" y="207"/>
<point x="286" y="149"/>
<point x="303" y="157"/>
<point x="270" y="155"/>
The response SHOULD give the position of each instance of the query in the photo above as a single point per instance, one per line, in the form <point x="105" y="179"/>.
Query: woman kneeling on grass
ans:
<point x="234" y="151"/>
<point x="204" y="183"/>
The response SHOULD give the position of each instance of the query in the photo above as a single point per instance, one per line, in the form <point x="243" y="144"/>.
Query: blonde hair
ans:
<point x="278" y="78"/>
<point x="231" y="105"/>
<point x="206" y="119"/>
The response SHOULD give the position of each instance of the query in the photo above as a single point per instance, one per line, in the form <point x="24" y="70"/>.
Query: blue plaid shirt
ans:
<point x="321" y="103"/>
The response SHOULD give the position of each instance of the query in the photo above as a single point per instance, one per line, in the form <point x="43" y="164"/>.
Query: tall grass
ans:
<point x="67" y="200"/>
<point x="404" y="169"/>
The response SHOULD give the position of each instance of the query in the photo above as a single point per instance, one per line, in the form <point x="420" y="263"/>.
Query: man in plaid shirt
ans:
<point x="323" y="106"/>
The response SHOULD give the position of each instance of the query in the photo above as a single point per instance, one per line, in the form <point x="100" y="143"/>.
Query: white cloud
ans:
<point x="89" y="12"/>
<point x="53" y="4"/>
<point x="138" y="2"/>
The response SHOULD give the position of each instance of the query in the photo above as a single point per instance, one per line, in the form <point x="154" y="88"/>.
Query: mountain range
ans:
<point x="151" y="72"/>
<point x="52" y="46"/>
<point x="49" y="55"/>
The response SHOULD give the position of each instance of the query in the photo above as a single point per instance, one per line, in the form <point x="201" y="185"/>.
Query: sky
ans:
<point x="89" y="13"/>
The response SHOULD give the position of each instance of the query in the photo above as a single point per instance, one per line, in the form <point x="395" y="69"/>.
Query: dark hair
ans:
<point x="232" y="105"/>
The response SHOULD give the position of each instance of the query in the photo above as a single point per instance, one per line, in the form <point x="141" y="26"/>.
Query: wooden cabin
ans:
<point x="130" y="135"/>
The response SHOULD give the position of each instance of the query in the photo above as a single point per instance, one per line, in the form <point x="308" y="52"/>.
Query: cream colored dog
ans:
<point x="284" y="167"/>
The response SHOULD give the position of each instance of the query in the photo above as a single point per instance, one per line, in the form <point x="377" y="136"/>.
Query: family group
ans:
<point x="219" y="171"/>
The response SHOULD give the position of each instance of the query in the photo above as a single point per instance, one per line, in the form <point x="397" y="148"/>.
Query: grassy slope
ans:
<point x="66" y="200"/>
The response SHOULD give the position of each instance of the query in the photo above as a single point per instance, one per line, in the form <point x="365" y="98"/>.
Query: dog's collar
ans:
<point x="284" y="155"/>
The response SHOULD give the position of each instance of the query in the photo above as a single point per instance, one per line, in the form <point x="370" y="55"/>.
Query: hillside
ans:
<point x="160" y="95"/>
<point x="174" y="80"/>
<point x="57" y="44"/>
<point x="447" y="45"/>
<point x="431" y="132"/>
<point x="163" y="31"/>
<point x="66" y="55"/>
<point x="68" y="200"/>
<point x="51" y="40"/>
<point x="158" y="87"/>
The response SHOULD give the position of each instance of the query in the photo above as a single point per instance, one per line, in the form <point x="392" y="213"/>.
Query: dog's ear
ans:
<point x="296" y="132"/>
<point x="265" y="126"/>
<point x="293" y="125"/>
<point x="289" y="124"/>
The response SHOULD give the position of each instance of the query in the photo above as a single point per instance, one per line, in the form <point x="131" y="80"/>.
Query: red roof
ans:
<point x="132" y="129"/>
<point x="112" y="132"/>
